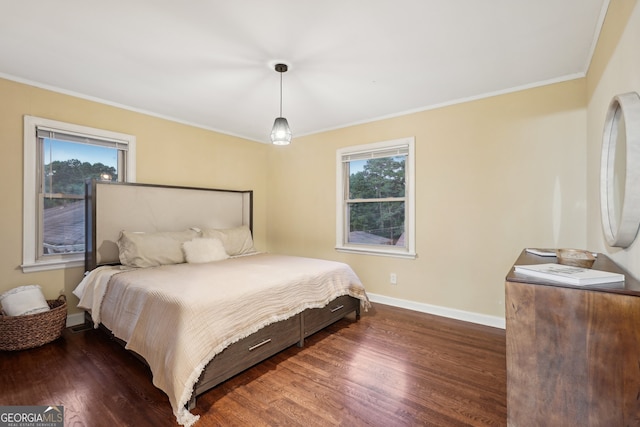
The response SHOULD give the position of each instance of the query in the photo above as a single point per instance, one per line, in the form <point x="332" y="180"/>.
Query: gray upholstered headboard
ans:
<point x="112" y="207"/>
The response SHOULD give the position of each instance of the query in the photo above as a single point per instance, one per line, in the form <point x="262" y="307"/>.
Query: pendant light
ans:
<point x="281" y="134"/>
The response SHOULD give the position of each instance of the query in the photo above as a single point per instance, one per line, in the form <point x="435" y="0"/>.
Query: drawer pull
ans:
<point x="253" y="347"/>
<point x="340" y="307"/>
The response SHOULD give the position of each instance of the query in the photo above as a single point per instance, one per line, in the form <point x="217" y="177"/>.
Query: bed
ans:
<point x="172" y="273"/>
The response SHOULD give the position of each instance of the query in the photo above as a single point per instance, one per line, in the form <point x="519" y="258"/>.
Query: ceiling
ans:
<point x="209" y="63"/>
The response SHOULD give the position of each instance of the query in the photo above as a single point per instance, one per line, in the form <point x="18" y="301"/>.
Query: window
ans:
<point x="58" y="159"/>
<point x="375" y="199"/>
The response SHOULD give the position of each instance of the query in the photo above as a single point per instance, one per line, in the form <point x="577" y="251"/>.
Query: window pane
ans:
<point x="66" y="166"/>
<point x="376" y="223"/>
<point x="63" y="226"/>
<point x="377" y="178"/>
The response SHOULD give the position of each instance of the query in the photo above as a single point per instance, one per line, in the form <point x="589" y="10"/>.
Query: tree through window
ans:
<point x="376" y="201"/>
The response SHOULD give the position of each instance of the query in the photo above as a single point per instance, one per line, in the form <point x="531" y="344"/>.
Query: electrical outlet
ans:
<point x="393" y="279"/>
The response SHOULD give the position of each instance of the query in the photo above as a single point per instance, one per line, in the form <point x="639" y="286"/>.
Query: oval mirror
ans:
<point x="620" y="171"/>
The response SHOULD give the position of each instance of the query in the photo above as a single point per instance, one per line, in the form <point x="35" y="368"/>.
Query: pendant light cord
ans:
<point x="280" y="93"/>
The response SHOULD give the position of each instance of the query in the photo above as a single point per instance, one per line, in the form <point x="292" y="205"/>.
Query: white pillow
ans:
<point x="137" y="249"/>
<point x="236" y="241"/>
<point x="24" y="300"/>
<point x="204" y="250"/>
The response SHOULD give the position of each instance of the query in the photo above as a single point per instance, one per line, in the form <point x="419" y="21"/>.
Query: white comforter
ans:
<point x="178" y="317"/>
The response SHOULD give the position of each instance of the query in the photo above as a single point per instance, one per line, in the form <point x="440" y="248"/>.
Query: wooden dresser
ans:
<point x="573" y="353"/>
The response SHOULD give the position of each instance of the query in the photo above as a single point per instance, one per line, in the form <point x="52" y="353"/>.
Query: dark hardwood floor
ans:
<point x="393" y="367"/>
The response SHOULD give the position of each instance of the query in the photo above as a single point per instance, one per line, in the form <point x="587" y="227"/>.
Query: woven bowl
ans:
<point x="575" y="257"/>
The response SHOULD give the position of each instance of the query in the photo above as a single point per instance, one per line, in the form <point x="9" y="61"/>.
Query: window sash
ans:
<point x="370" y="235"/>
<point x="45" y="249"/>
<point x="383" y="199"/>
<point x="347" y="178"/>
<point x="401" y="150"/>
<point x="122" y="148"/>
<point x="45" y="132"/>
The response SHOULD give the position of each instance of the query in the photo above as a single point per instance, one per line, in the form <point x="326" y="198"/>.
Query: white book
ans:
<point x="541" y="252"/>
<point x="548" y="252"/>
<point x="569" y="274"/>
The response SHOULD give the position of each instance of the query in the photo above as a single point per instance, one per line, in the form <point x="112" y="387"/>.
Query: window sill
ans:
<point x="52" y="265"/>
<point x="377" y="252"/>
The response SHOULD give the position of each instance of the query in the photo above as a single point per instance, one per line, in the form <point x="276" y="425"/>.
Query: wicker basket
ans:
<point x="33" y="330"/>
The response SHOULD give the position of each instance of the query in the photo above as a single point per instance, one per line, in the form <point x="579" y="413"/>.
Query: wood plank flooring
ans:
<point x="392" y="367"/>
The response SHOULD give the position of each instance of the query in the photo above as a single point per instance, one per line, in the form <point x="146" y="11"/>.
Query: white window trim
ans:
<point x="391" y="251"/>
<point x="30" y="261"/>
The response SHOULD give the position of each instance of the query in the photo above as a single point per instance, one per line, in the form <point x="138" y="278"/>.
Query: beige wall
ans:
<point x="615" y="69"/>
<point x="167" y="153"/>
<point x="493" y="176"/>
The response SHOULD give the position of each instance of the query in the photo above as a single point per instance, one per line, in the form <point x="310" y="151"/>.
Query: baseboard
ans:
<point x="467" y="316"/>
<point x="75" y="319"/>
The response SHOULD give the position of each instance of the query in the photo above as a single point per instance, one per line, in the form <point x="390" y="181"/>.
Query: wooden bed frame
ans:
<point x="112" y="207"/>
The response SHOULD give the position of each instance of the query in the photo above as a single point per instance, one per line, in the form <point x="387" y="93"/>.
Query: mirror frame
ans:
<point x="622" y="121"/>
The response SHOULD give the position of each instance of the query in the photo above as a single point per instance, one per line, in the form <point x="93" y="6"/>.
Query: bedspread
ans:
<point x="178" y="317"/>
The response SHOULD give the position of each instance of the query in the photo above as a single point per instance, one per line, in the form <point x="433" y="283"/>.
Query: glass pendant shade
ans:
<point x="281" y="134"/>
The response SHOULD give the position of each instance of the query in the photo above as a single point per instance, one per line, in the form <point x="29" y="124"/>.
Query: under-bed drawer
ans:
<point x="251" y="350"/>
<point x="317" y="318"/>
